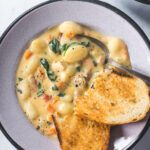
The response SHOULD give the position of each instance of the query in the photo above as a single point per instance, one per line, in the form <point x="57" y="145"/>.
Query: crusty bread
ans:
<point x="76" y="133"/>
<point x="115" y="99"/>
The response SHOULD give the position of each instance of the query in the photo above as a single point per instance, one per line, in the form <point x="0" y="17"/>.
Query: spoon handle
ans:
<point x="145" y="78"/>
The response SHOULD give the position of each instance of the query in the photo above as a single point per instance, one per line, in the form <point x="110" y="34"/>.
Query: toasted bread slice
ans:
<point x="115" y="99"/>
<point x="76" y="133"/>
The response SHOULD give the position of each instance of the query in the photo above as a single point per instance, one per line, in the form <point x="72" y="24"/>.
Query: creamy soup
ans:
<point x="58" y="67"/>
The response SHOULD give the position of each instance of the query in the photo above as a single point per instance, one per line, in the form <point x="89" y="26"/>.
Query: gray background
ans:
<point x="140" y="13"/>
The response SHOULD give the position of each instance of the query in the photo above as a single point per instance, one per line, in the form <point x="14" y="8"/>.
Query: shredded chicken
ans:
<point x="58" y="66"/>
<point x="80" y="80"/>
<point x="32" y="82"/>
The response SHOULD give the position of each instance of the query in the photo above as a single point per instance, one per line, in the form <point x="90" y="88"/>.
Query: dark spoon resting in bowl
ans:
<point x="108" y="60"/>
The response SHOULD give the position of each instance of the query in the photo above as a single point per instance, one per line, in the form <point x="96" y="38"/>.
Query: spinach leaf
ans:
<point x="20" y="91"/>
<point x="54" y="88"/>
<point x="50" y="73"/>
<point x="86" y="44"/>
<point x="66" y="46"/>
<point x="54" y="45"/>
<point x="73" y="43"/>
<point x="52" y="78"/>
<point x="92" y="86"/>
<point x="78" y="68"/>
<point x="20" y="79"/>
<point x="39" y="85"/>
<point x="48" y="122"/>
<point x="44" y="63"/>
<point x="94" y="62"/>
<point x="61" y="94"/>
<point x="40" y="93"/>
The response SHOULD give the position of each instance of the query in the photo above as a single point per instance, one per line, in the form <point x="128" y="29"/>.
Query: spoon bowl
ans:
<point x="110" y="61"/>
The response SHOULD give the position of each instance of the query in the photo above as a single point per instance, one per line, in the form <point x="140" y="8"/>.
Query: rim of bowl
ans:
<point x="106" y="5"/>
<point x="144" y="1"/>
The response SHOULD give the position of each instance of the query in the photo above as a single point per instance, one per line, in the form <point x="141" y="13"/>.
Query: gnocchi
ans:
<point x="64" y="108"/>
<point x="70" y="27"/>
<point x="24" y="90"/>
<point x="75" y="53"/>
<point x="30" y="110"/>
<point x="67" y="98"/>
<point x="37" y="46"/>
<point x="32" y="65"/>
<point x="64" y="76"/>
<point x="71" y="70"/>
<point x="114" y="45"/>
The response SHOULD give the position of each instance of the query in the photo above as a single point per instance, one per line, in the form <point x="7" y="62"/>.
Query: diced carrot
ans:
<point x="124" y="45"/>
<point x="28" y="54"/>
<point x="55" y="99"/>
<point x="52" y="131"/>
<point x="50" y="108"/>
<point x="46" y="97"/>
<point x="59" y="84"/>
<point x="49" y="39"/>
<point x="70" y="35"/>
<point x="124" y="51"/>
<point x="50" y="118"/>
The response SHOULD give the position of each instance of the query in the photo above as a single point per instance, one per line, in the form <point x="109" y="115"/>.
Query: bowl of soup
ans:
<point x="45" y="67"/>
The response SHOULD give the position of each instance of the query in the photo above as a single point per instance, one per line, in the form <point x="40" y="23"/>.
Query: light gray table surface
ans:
<point x="140" y="13"/>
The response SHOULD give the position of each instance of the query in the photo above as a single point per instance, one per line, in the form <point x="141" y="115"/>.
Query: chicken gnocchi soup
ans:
<point x="58" y="67"/>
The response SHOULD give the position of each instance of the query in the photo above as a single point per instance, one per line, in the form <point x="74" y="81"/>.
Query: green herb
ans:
<point x="54" y="45"/>
<point x="73" y="43"/>
<point x="39" y="85"/>
<point x="78" y="68"/>
<point x="48" y="122"/>
<point x="92" y="87"/>
<point x="20" y="79"/>
<point x="61" y="94"/>
<point x="54" y="88"/>
<point x="86" y="44"/>
<point x="44" y="63"/>
<point x="59" y="51"/>
<point x="52" y="77"/>
<point x="94" y="62"/>
<point x="40" y="93"/>
<point x="20" y="91"/>
<point x="50" y="73"/>
<point x="66" y="46"/>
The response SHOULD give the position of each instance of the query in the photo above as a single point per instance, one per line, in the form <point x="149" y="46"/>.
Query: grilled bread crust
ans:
<point x="115" y="99"/>
<point x="76" y="133"/>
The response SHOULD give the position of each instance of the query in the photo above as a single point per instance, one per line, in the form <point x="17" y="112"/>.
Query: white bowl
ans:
<point x="97" y="15"/>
